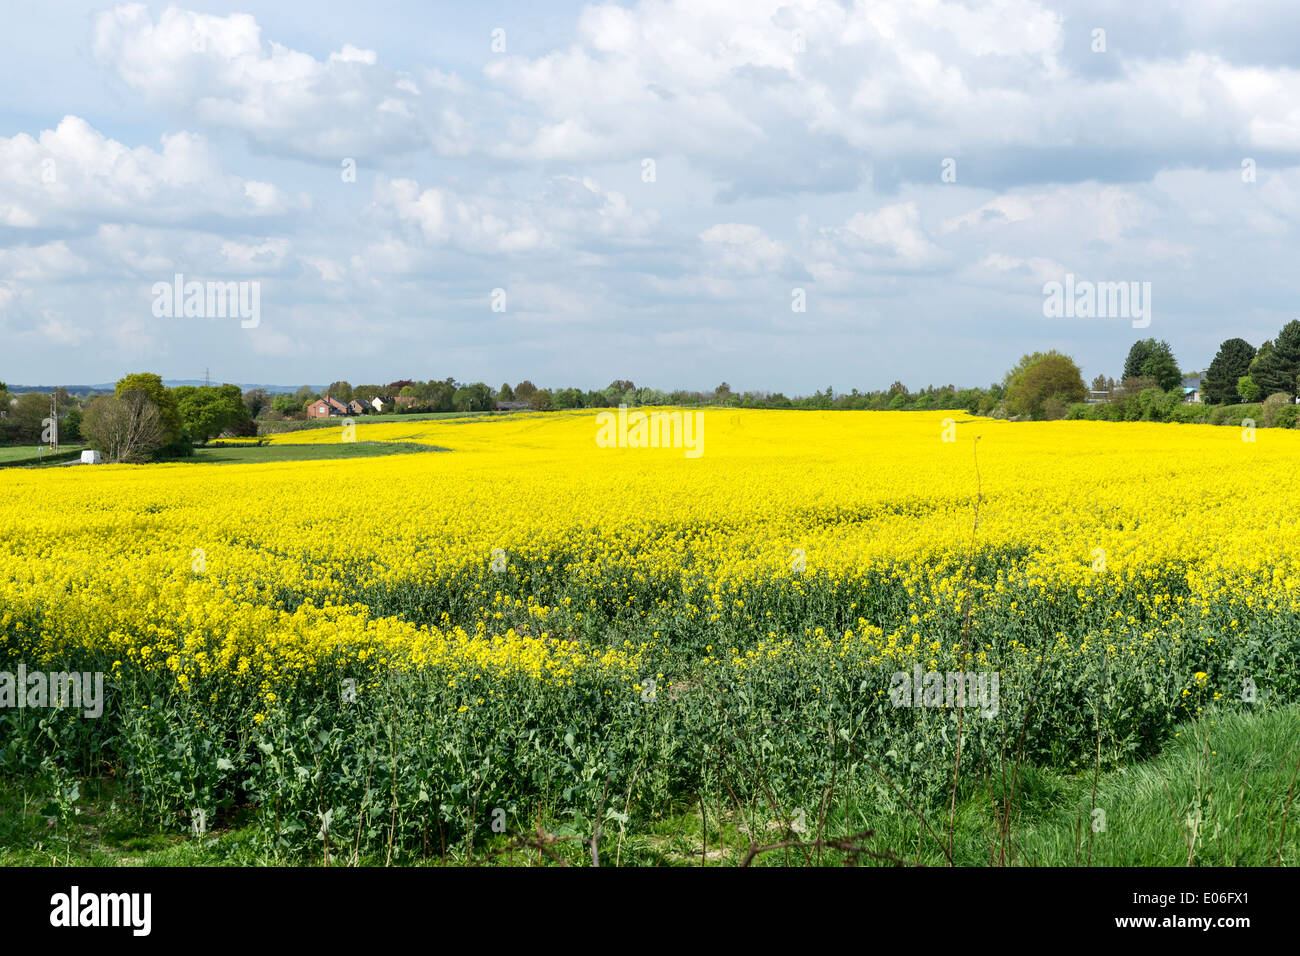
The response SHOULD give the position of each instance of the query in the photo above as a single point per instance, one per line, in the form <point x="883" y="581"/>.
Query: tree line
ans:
<point x="143" y="419"/>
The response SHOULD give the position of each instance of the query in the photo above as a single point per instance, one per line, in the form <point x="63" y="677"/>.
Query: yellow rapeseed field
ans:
<point x="530" y="620"/>
<point x="188" y="566"/>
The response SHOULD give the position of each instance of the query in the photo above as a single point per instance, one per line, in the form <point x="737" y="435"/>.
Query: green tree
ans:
<point x="287" y="404"/>
<point x="1277" y="370"/>
<point x="207" y="411"/>
<point x="70" y="427"/>
<point x="1231" y="362"/>
<point x="524" y="390"/>
<point x="204" y="413"/>
<point x="505" y="393"/>
<point x="1161" y="367"/>
<point x="27" y="415"/>
<point x="1169" y="403"/>
<point x="1054" y="409"/>
<point x="1137" y="357"/>
<point x="164" y="400"/>
<point x="474" y="398"/>
<point x="340" y="390"/>
<point x="1040" y="376"/>
<point x="442" y="395"/>
<point x="126" y="427"/>
<point x="566" y="398"/>
<point x="256" y="401"/>
<point x="1272" y="405"/>
<point x="1247" y="389"/>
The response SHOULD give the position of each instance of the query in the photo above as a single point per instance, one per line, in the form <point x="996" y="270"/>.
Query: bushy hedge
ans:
<point x="1235" y="414"/>
<point x="1189" y="413"/>
<point x="1286" y="416"/>
<point x="1152" y="405"/>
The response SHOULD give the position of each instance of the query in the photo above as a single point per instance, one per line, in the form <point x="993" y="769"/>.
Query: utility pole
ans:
<point x="51" y="424"/>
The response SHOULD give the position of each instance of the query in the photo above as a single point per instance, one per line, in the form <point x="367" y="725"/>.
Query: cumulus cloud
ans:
<point x="768" y="97"/>
<point x="821" y="96"/>
<point x="744" y="249"/>
<point x="73" y="175"/>
<point x="798" y="144"/>
<point x="286" y="101"/>
<point x="891" y="237"/>
<point x="567" y="213"/>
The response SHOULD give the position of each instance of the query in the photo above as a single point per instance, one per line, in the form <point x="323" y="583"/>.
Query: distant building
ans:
<point x="355" y="407"/>
<point x="326" y="408"/>
<point x="379" y="404"/>
<point x="1192" y="389"/>
<point x="512" y="406"/>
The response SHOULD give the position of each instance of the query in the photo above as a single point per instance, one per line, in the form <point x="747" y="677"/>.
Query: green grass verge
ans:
<point x="23" y="455"/>
<point x="1223" y="793"/>
<point x="255" y="454"/>
<point x="295" y="425"/>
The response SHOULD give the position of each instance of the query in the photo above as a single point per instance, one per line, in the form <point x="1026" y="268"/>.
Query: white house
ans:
<point x="377" y="403"/>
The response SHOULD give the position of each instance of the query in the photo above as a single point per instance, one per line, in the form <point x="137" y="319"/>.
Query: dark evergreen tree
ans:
<point x="1276" y="371"/>
<point x="1137" y="357"/>
<point x="1161" y="367"/>
<point x="1219" y="387"/>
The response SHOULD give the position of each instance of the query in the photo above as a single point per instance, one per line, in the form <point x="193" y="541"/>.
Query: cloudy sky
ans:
<point x="647" y="183"/>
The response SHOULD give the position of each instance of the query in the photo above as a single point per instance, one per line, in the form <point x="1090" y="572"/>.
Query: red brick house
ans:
<point x="326" y="408"/>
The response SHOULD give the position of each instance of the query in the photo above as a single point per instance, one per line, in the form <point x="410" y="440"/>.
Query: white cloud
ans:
<point x="744" y="249"/>
<point x="53" y="260"/>
<point x="267" y="255"/>
<point x="890" y="237"/>
<point x="285" y="100"/>
<point x="797" y="142"/>
<point x="74" y="174"/>
<point x="566" y="214"/>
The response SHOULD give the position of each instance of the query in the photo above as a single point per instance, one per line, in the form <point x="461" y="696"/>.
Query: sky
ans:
<point x="784" y="196"/>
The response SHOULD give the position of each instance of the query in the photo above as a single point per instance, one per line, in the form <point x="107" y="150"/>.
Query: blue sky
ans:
<point x="794" y="146"/>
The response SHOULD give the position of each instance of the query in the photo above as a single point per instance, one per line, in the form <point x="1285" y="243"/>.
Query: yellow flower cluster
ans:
<point x="267" y="568"/>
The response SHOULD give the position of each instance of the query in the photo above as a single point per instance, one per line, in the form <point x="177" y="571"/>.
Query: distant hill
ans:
<point x="169" y="382"/>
